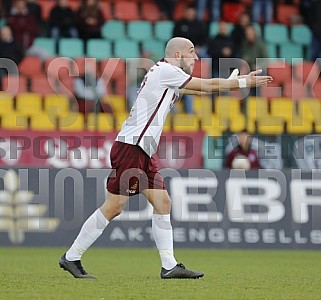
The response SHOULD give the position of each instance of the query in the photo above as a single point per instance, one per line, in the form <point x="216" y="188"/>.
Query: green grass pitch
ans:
<point x="33" y="273"/>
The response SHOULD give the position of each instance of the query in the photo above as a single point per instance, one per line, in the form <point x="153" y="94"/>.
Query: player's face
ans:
<point x="188" y="58"/>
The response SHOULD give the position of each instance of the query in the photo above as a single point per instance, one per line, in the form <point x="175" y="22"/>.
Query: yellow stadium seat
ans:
<point x="310" y="108"/>
<point x="237" y="124"/>
<point x="71" y="122"/>
<point x="202" y="105"/>
<point x="120" y="119"/>
<point x="100" y="122"/>
<point x="185" y="123"/>
<point x="210" y="124"/>
<point x="14" y="120"/>
<point x="299" y="125"/>
<point x="29" y="103"/>
<point x="270" y="125"/>
<point x="317" y="126"/>
<point x="256" y="107"/>
<point x="118" y="102"/>
<point x="227" y="107"/>
<point x="167" y="125"/>
<point x="43" y="122"/>
<point x="283" y="107"/>
<point x="57" y="105"/>
<point x="6" y="103"/>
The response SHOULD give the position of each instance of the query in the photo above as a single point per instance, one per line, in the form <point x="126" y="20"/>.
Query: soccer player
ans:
<point x="134" y="167"/>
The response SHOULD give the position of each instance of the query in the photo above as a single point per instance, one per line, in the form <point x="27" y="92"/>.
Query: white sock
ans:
<point x="163" y="236"/>
<point x="90" y="232"/>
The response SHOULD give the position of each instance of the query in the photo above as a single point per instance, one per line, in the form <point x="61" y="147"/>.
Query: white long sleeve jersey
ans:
<point x="155" y="98"/>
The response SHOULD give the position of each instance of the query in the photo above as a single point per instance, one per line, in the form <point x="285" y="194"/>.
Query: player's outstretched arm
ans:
<point x="219" y="84"/>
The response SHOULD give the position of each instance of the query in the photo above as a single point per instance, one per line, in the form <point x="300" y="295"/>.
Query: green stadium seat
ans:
<point x="164" y="30"/>
<point x="71" y="48"/>
<point x="126" y="49"/>
<point x="271" y="50"/>
<point x="301" y="34"/>
<point x="139" y="30"/>
<point x="275" y="33"/>
<point x="99" y="49"/>
<point x="291" y="51"/>
<point x="46" y="44"/>
<point x="156" y="47"/>
<point x="113" y="30"/>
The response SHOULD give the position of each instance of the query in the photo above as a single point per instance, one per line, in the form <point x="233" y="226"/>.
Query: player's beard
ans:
<point x="187" y="69"/>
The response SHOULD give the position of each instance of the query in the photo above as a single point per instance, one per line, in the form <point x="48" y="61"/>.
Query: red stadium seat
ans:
<point x="307" y="72"/>
<point x="232" y="11"/>
<point x="14" y="84"/>
<point x="46" y="7"/>
<point x="150" y="12"/>
<point x="280" y="71"/>
<point x="287" y="14"/>
<point x="316" y="89"/>
<point x="179" y="10"/>
<point x="295" y="90"/>
<point x="31" y="66"/>
<point x="113" y="68"/>
<point x="43" y="85"/>
<point x="106" y="9"/>
<point x="60" y="67"/>
<point x="126" y="11"/>
<point x="272" y="90"/>
<point x="202" y="69"/>
<point x="82" y="63"/>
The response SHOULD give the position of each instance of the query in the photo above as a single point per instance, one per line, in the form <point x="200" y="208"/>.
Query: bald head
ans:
<point x="177" y="44"/>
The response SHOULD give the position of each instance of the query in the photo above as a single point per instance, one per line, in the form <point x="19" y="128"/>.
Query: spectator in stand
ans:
<point x="262" y="11"/>
<point x="196" y="31"/>
<point x="238" y="32"/>
<point x="253" y="48"/>
<point x="35" y="9"/>
<point x="62" y="21"/>
<point x="221" y="46"/>
<point x="214" y="7"/>
<point x="90" y="19"/>
<point x="167" y="8"/>
<point x="313" y="20"/>
<point x="24" y="25"/>
<point x="9" y="49"/>
<point x="6" y="6"/>
<point x="243" y="156"/>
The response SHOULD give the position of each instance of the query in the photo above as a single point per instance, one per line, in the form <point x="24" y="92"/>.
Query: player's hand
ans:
<point x="253" y="80"/>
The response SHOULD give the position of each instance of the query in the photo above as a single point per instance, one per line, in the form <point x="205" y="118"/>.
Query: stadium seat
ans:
<point x="113" y="68"/>
<point x="283" y="108"/>
<point x="310" y="108"/>
<point x="307" y="72"/>
<point x="164" y="30"/>
<point x="46" y="7"/>
<point x="238" y="123"/>
<point x="106" y="9"/>
<point x="301" y="34"/>
<point x="43" y="122"/>
<point x="117" y="102"/>
<point x="72" y="122"/>
<point x="168" y="124"/>
<point x="14" y="84"/>
<point x="46" y="44"/>
<point x="211" y="125"/>
<point x="43" y="85"/>
<point x="179" y="10"/>
<point x="71" y="47"/>
<point x="126" y="10"/>
<point x="299" y="125"/>
<point x="120" y="119"/>
<point x="126" y="49"/>
<point x="6" y="103"/>
<point x="84" y="64"/>
<point x="202" y="68"/>
<point x="287" y="14"/>
<point x="291" y="51"/>
<point x="275" y="33"/>
<point x="28" y="104"/>
<point x="155" y="47"/>
<point x="185" y="123"/>
<point x="150" y="11"/>
<point x="99" y="49"/>
<point x="139" y="30"/>
<point x="202" y="105"/>
<point x="270" y="125"/>
<point x="100" y="122"/>
<point x="113" y="30"/>
<point x="256" y="108"/>
<point x="213" y="28"/>
<point x="280" y="70"/>
<point x="295" y="90"/>
<point x="227" y="108"/>
<point x="316" y="89"/>
<point x="14" y="121"/>
<point x="31" y="66"/>
<point x="60" y="68"/>
<point x="231" y="11"/>
<point x="56" y="105"/>
<point x="271" y="50"/>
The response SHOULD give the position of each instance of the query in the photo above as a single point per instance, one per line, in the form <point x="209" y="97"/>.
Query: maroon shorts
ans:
<point x="133" y="171"/>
